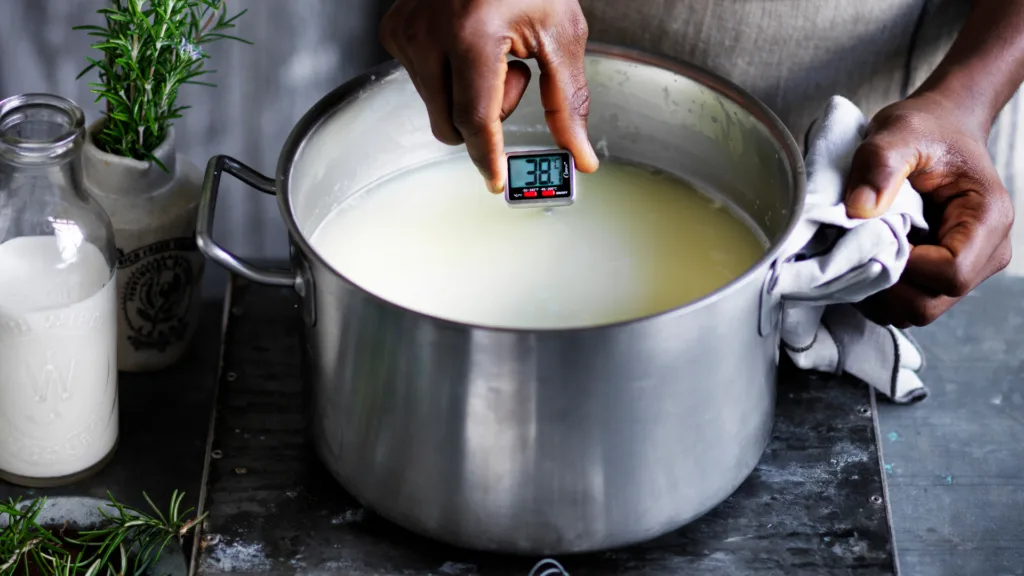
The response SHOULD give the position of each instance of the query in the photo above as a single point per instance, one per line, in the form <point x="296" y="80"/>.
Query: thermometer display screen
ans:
<point x="527" y="171"/>
<point x="544" y="177"/>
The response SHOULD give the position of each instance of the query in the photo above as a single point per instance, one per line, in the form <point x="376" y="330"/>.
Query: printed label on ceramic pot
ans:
<point x="159" y="283"/>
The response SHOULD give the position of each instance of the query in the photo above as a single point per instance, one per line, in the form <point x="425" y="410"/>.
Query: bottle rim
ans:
<point x="34" y="107"/>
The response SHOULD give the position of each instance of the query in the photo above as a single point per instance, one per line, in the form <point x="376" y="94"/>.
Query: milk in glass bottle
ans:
<point x="58" y="364"/>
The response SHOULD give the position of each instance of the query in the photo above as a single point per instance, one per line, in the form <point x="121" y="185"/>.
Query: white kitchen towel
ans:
<point x="828" y="334"/>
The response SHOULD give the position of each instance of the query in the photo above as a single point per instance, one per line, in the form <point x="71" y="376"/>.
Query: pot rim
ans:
<point x="354" y="88"/>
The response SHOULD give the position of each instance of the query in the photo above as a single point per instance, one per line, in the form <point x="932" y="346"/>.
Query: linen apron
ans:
<point x="791" y="54"/>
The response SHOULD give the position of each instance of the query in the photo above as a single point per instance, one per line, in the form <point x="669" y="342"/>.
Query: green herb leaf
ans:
<point x="128" y="538"/>
<point x="150" y="49"/>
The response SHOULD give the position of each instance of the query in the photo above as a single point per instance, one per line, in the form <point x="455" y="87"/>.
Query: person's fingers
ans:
<point x="881" y="164"/>
<point x="908" y="304"/>
<point x="1001" y="258"/>
<point x="434" y="83"/>
<point x="390" y="29"/>
<point x="404" y="37"/>
<point x="517" y="78"/>
<point x="903" y="305"/>
<point x="974" y="227"/>
<point x="478" y="83"/>
<point x="566" y="98"/>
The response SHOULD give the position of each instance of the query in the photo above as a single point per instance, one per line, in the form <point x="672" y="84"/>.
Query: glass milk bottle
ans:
<point x="58" y="323"/>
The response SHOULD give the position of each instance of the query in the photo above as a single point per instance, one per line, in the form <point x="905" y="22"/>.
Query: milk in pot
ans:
<point x="635" y="243"/>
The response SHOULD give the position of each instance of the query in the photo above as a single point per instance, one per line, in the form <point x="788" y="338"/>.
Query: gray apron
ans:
<point x="792" y="54"/>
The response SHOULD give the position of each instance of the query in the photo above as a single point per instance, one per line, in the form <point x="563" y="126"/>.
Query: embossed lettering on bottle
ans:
<point x="58" y="396"/>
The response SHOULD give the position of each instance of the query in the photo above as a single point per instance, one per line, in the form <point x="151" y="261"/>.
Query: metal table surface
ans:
<point x="954" y="465"/>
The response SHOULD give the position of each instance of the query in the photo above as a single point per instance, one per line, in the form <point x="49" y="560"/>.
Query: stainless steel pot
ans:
<point x="547" y="441"/>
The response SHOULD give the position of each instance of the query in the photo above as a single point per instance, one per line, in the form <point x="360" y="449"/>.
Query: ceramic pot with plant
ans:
<point x="132" y="167"/>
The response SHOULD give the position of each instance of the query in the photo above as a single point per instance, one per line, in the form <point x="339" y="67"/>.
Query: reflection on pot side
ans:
<point x="635" y="243"/>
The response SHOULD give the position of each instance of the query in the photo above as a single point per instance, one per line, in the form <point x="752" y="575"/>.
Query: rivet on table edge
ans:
<point x="876" y="499"/>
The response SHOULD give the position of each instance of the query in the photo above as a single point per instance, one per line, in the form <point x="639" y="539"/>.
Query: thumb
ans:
<point x="881" y="164"/>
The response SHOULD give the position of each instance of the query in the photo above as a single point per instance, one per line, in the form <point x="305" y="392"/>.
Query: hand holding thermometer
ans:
<point x="540" y="178"/>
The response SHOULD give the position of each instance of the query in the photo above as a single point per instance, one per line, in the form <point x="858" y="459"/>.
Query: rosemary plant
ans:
<point x="129" y="541"/>
<point x="150" y="49"/>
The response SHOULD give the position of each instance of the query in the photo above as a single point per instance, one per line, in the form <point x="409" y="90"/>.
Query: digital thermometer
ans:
<point x="540" y="178"/>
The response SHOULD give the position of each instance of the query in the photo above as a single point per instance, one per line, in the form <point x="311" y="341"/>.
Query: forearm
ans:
<point x="985" y="65"/>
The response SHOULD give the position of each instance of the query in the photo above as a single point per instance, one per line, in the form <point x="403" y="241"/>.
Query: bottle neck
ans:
<point x="41" y="139"/>
<point x="40" y="131"/>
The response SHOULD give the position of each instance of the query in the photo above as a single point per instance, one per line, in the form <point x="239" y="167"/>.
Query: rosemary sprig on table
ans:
<point x="150" y="49"/>
<point x="128" y="542"/>
<point x="23" y="540"/>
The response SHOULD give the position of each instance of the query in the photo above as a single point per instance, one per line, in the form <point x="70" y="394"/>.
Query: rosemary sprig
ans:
<point x="150" y="49"/>
<point x="22" y="539"/>
<point x="130" y="541"/>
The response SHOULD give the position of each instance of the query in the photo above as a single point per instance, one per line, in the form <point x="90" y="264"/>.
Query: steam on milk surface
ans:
<point x="635" y="243"/>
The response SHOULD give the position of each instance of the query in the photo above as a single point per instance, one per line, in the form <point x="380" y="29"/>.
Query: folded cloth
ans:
<point x="828" y="334"/>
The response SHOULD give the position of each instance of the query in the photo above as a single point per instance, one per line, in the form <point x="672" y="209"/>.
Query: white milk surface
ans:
<point x="635" y="243"/>
<point x="58" y="357"/>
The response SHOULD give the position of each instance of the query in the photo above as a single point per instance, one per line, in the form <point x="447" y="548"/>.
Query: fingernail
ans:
<point x="496" y="186"/>
<point x="862" y="200"/>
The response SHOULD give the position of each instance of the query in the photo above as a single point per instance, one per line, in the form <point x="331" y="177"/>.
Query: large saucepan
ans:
<point x="547" y="441"/>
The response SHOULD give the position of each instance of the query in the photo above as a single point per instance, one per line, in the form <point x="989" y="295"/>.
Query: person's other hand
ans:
<point x="944" y="155"/>
<point x="456" y="52"/>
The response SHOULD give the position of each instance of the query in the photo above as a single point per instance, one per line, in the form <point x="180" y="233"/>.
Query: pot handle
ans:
<point x="771" y="305"/>
<point x="204" y="225"/>
<point x="823" y="294"/>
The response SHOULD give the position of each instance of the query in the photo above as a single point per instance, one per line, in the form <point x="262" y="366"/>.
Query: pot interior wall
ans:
<point x="638" y="113"/>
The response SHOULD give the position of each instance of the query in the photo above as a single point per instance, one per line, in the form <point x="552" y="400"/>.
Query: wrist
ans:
<point x="965" y="97"/>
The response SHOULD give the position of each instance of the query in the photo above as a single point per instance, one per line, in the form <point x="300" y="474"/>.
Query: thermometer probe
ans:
<point x="540" y="178"/>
